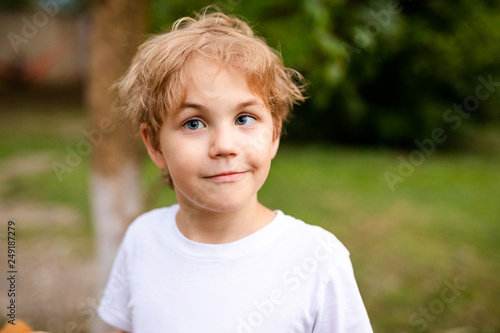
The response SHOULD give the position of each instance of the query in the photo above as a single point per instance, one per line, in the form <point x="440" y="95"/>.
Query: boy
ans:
<point x="209" y="99"/>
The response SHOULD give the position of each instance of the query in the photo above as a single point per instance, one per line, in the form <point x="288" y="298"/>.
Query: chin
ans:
<point x="226" y="203"/>
<point x="222" y="199"/>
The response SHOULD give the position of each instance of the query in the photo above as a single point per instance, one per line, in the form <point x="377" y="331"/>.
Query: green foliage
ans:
<point x="379" y="71"/>
<point x="14" y="4"/>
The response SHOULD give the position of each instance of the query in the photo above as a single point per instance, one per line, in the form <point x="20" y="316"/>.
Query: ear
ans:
<point x="275" y="146"/>
<point x="155" y="154"/>
<point x="276" y="140"/>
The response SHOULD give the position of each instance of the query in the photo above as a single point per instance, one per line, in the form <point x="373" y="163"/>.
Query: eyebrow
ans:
<point x="202" y="108"/>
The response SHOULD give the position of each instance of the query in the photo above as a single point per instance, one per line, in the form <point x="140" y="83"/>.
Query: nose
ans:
<point x="223" y="142"/>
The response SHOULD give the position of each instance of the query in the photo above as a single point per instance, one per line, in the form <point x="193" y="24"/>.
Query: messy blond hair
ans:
<point x="154" y="85"/>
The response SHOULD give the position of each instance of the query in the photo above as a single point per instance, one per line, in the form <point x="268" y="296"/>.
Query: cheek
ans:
<point x="260" y="152"/>
<point x="182" y="158"/>
<point x="261" y="140"/>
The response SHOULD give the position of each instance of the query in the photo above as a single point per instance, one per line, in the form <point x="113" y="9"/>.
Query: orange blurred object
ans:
<point x="19" y="327"/>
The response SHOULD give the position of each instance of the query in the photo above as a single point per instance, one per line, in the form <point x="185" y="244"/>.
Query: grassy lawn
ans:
<point x="426" y="255"/>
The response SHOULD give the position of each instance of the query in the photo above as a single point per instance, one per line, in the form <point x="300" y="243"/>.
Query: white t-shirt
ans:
<point x="287" y="277"/>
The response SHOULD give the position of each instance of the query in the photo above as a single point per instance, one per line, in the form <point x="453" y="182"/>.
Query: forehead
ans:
<point x="211" y="80"/>
<point x="204" y="80"/>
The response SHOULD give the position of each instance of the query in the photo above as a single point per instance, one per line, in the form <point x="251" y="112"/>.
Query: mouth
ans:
<point x="227" y="177"/>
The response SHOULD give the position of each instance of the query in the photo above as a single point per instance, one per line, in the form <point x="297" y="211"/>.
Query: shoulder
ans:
<point x="147" y="231"/>
<point x="311" y="253"/>
<point x="151" y="222"/>
<point x="312" y="238"/>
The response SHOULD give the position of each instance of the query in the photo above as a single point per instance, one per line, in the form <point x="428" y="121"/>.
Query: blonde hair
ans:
<point x="154" y="85"/>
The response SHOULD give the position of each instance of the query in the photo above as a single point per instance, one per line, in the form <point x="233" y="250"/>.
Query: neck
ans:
<point x="206" y="226"/>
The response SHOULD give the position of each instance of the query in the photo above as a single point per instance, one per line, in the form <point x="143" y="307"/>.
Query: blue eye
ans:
<point x="193" y="124"/>
<point x="245" y="120"/>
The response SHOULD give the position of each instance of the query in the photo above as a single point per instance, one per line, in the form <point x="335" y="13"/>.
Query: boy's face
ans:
<point x="219" y="145"/>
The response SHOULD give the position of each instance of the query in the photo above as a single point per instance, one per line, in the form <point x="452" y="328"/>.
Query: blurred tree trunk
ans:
<point x="118" y="27"/>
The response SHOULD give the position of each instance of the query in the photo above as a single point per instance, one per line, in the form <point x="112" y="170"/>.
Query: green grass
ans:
<point x="440" y="225"/>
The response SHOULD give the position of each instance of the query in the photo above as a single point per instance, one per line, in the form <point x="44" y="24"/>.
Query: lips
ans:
<point x="227" y="177"/>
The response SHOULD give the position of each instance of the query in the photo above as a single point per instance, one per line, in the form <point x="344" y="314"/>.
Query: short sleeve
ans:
<point x="340" y="308"/>
<point x="114" y="305"/>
